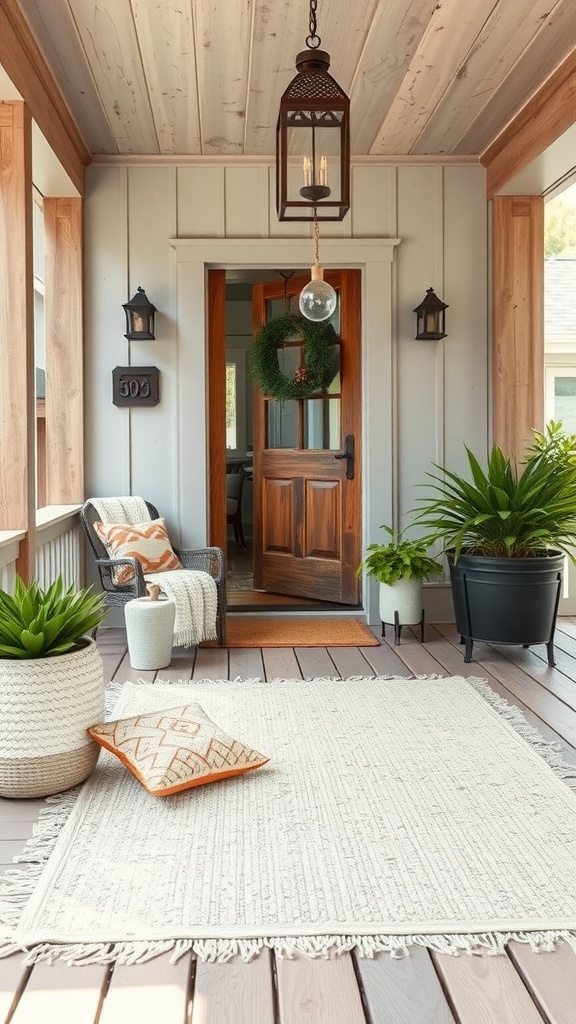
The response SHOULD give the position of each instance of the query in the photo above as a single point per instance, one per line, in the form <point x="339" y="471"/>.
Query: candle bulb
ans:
<point x="430" y="323"/>
<point x="307" y="170"/>
<point x="323" y="170"/>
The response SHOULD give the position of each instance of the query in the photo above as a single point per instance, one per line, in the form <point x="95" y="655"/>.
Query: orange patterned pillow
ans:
<point x="176" y="749"/>
<point x="148" y="542"/>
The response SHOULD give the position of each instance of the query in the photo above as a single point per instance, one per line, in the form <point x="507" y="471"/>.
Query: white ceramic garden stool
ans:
<point x="150" y="631"/>
<point x="401" y="605"/>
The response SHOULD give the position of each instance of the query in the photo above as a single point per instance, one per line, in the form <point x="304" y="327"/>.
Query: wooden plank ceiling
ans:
<point x="425" y="77"/>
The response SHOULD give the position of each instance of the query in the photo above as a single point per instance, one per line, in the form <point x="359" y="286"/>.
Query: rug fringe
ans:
<point x="18" y="884"/>
<point x="221" y="951"/>
<point x="549" y="750"/>
<point x="367" y="946"/>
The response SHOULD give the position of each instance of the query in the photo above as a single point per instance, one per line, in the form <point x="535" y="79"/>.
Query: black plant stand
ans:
<point x="398" y="627"/>
<point x="468" y="641"/>
<point x="510" y="601"/>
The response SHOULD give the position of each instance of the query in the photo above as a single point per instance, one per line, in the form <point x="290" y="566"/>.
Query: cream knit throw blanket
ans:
<point x="194" y="593"/>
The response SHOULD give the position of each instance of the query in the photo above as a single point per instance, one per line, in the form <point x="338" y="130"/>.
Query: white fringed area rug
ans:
<point x="392" y="812"/>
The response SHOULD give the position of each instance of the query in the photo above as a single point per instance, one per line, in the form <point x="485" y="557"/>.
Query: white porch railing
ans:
<point x="58" y="549"/>
<point x="9" y="545"/>
<point x="58" y="545"/>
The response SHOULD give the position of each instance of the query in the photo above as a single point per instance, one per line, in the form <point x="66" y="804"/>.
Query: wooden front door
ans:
<point x="307" y="500"/>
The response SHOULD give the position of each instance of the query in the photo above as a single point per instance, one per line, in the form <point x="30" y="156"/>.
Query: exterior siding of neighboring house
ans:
<point x="421" y="400"/>
<point x="560" y="340"/>
<point x="560" y="368"/>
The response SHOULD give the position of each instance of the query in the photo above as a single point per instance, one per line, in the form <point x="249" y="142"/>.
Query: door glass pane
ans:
<point x="333" y="323"/>
<point x="289" y="359"/>
<point x="274" y="308"/>
<point x="322" y="423"/>
<point x="281" y="424"/>
<point x="277" y="307"/>
<point x="334" y="384"/>
<point x="565" y="402"/>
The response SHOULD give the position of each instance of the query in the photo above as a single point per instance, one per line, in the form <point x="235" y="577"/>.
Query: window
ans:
<point x="561" y="396"/>
<point x="236" y="402"/>
<point x="231" y="406"/>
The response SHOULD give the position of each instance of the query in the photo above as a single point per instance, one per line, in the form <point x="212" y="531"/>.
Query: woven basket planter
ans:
<point x="47" y="704"/>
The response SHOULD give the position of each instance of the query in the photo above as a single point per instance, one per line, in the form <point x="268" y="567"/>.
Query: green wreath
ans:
<point x="308" y="378"/>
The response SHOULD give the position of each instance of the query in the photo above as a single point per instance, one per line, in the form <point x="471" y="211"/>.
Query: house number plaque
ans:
<point x="135" y="385"/>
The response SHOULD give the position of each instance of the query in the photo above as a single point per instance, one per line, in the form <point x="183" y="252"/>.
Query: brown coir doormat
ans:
<point x="255" y="631"/>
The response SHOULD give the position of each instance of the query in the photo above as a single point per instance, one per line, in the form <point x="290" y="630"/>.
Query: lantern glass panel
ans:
<point x="139" y="323"/>
<point x="316" y="151"/>
<point x="310" y="153"/>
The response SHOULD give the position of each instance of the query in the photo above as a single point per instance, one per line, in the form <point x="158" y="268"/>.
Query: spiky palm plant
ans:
<point x="504" y="510"/>
<point x="38" y="624"/>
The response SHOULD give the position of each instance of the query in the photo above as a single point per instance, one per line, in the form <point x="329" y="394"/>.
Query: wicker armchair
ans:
<point x="210" y="560"/>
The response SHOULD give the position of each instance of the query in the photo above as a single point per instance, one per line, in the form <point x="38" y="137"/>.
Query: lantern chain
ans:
<point x="316" y="241"/>
<point x="313" y="40"/>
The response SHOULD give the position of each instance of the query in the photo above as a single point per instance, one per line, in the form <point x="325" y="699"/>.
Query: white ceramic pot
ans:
<point x="150" y="632"/>
<point x="47" y="705"/>
<point x="404" y="597"/>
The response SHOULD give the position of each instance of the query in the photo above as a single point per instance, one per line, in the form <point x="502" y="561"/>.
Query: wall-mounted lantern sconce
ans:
<point x="139" y="317"/>
<point x="430" y="317"/>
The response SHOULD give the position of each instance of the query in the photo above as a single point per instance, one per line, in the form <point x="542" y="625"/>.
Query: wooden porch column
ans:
<point x="17" y="403"/>
<point x="64" y="363"/>
<point x="518" y="321"/>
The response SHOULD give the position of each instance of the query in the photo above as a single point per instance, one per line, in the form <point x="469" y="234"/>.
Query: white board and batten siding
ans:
<point x="145" y="224"/>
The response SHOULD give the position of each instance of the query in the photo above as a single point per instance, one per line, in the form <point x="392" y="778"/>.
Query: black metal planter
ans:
<point x="507" y="600"/>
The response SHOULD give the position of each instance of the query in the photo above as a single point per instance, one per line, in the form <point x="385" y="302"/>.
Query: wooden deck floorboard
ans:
<point x="424" y="988"/>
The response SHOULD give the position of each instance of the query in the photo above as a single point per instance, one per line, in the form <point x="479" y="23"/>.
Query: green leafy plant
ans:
<point x="37" y="624"/>
<point x="504" y="510"/>
<point x="400" y="559"/>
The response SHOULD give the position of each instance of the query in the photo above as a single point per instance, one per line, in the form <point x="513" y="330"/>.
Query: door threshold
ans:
<point x="333" y="611"/>
<point x="258" y="601"/>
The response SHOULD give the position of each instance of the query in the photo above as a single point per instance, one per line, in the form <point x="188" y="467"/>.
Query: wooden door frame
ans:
<point x="216" y="384"/>
<point x="374" y="257"/>
<point x="216" y="432"/>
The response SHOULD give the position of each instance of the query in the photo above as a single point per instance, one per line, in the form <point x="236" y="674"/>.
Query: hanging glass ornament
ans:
<point x="318" y="299"/>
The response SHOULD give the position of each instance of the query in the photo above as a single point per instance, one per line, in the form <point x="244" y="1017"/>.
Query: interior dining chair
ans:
<point x="209" y="559"/>
<point x="234" y="489"/>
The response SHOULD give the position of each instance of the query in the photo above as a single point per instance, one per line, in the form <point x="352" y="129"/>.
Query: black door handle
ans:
<point x="348" y="454"/>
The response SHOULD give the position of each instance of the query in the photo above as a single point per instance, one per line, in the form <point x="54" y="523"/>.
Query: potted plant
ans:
<point x="400" y="566"/>
<point x="506" y="531"/>
<point x="51" y="687"/>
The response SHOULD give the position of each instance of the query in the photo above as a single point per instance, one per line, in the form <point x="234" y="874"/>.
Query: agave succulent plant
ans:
<point x="36" y="623"/>
<point x="503" y="510"/>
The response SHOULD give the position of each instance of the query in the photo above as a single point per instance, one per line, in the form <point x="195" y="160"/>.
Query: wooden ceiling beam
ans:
<point x="23" y="62"/>
<point x="546" y="115"/>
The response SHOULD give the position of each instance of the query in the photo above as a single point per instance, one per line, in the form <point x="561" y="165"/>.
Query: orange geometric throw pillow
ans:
<point x="148" y="542"/>
<point x="176" y="749"/>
